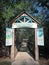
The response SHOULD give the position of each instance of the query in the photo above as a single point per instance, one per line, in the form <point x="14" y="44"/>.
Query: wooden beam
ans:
<point x="12" y="47"/>
<point x="36" y="46"/>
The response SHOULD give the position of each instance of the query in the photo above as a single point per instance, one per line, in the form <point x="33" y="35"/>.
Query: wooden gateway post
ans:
<point x="12" y="47"/>
<point x="36" y="46"/>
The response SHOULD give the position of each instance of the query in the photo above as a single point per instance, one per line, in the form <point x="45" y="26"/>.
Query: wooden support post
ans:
<point x="12" y="47"/>
<point x="36" y="46"/>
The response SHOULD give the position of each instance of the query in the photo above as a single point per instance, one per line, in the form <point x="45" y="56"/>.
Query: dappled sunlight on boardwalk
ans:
<point x="23" y="58"/>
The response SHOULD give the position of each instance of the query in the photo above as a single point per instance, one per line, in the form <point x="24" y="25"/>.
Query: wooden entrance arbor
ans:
<point x="24" y="20"/>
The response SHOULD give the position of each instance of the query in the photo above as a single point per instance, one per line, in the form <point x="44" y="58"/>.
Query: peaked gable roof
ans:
<point x="33" y="19"/>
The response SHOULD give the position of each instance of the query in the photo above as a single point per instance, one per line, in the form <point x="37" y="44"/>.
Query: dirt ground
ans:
<point x="42" y="60"/>
<point x="4" y="59"/>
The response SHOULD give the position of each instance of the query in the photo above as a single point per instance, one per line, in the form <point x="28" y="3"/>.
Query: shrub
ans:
<point x="5" y="63"/>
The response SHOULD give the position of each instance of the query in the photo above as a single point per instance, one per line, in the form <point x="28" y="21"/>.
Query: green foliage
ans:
<point x="7" y="14"/>
<point x="21" y="6"/>
<point x="5" y="63"/>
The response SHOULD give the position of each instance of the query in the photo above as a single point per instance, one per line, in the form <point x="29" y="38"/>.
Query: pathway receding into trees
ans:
<point x="23" y="58"/>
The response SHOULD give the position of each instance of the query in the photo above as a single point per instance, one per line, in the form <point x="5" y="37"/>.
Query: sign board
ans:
<point x="8" y="36"/>
<point x="24" y="24"/>
<point x="40" y="36"/>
